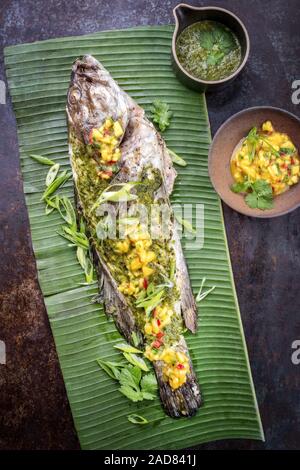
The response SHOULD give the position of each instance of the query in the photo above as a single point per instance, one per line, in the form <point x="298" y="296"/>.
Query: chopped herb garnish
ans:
<point x="137" y="419"/>
<point x="57" y="183"/>
<point x="42" y="160"/>
<point x="201" y="295"/>
<point x="76" y="238"/>
<point x="161" y="114"/>
<point x="287" y="150"/>
<point x="52" y="173"/>
<point x="176" y="158"/>
<point x="186" y="224"/>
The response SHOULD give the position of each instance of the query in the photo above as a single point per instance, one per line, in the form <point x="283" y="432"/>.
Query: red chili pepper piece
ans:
<point x="156" y="344"/>
<point x="145" y="283"/>
<point x="180" y="366"/>
<point x="160" y="335"/>
<point x="158" y="322"/>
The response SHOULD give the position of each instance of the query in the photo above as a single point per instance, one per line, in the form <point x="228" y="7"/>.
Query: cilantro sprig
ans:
<point x="259" y="194"/>
<point x="217" y="44"/>
<point x="161" y="114"/>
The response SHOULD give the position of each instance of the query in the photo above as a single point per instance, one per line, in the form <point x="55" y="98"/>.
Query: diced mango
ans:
<point x="135" y="264"/>
<point x="122" y="246"/>
<point x="97" y="135"/>
<point x="118" y="131"/>
<point x="267" y="126"/>
<point x="147" y="271"/>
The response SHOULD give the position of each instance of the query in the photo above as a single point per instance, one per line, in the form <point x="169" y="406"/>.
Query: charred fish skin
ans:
<point x="93" y="97"/>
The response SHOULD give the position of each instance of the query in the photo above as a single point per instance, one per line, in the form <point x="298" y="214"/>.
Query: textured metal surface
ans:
<point x="34" y="411"/>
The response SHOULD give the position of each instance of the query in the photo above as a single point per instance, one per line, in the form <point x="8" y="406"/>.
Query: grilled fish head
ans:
<point x="92" y="97"/>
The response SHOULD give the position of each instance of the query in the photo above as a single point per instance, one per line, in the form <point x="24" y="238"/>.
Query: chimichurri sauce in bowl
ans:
<point x="208" y="50"/>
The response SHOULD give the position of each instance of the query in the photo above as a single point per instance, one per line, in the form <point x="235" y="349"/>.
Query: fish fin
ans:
<point x="168" y="170"/>
<point x="187" y="299"/>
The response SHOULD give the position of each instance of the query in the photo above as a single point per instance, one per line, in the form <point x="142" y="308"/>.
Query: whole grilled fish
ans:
<point x="118" y="156"/>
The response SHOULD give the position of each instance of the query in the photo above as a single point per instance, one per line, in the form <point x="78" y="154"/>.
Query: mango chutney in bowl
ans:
<point x="268" y="155"/>
<point x="254" y="162"/>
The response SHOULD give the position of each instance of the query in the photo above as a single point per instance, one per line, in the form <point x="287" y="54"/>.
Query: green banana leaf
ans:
<point x="139" y="59"/>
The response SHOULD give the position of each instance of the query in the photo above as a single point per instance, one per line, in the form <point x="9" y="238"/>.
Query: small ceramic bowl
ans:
<point x="185" y="15"/>
<point x="225" y="141"/>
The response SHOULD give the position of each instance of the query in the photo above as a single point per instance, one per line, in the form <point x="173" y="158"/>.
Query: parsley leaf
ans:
<point x="136" y="388"/>
<point x="129" y="379"/>
<point x="161" y="114"/>
<point x="149" y="386"/>
<point x="130" y="393"/>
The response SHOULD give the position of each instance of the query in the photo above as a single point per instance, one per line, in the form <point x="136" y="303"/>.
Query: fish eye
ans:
<point x="74" y="95"/>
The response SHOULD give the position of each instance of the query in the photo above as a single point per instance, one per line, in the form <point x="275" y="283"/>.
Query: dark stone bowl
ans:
<point x="185" y="15"/>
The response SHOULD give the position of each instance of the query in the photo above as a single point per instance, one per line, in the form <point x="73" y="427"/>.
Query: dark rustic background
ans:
<point x="34" y="411"/>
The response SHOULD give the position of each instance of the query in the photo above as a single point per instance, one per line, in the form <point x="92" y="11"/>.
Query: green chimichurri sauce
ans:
<point x="208" y="50"/>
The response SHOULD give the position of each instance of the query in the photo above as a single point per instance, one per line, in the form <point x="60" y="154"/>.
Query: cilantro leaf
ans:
<point x="217" y="43"/>
<point x="251" y="200"/>
<point x="161" y="114"/>
<point x="239" y="187"/>
<point x="206" y="40"/>
<point x="263" y="203"/>
<point x="262" y="188"/>
<point x="215" y="58"/>
<point x="260" y="195"/>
